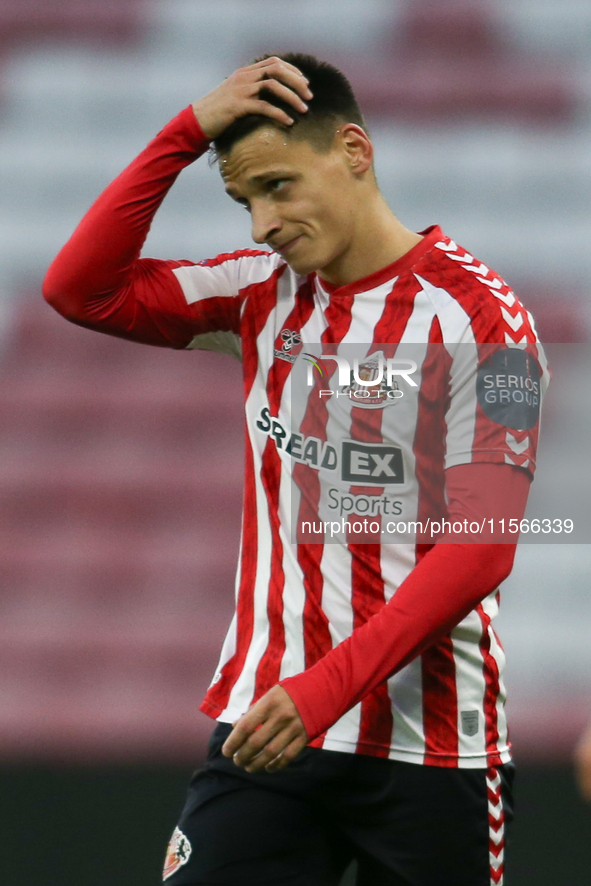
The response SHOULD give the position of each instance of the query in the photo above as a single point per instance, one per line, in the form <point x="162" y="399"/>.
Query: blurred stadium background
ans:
<point x="120" y="470"/>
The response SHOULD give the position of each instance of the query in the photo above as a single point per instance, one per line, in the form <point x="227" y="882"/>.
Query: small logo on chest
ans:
<point x="290" y="347"/>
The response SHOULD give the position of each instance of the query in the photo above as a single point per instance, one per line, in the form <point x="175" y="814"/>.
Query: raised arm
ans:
<point x="98" y="280"/>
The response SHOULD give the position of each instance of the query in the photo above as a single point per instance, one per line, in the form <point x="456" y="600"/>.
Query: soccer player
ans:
<point x="359" y="694"/>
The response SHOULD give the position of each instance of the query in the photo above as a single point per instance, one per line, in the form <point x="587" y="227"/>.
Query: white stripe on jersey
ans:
<point x="226" y="279"/>
<point x="470" y="684"/>
<point x="405" y="690"/>
<point x="336" y="603"/>
<point x="453" y="319"/>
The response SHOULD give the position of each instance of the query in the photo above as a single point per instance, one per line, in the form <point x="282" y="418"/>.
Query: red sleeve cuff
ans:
<point x="192" y="127"/>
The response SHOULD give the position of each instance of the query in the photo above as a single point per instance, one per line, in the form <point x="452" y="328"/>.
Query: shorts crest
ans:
<point x="178" y="853"/>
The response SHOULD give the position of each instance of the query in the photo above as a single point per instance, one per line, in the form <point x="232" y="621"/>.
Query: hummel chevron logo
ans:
<point x="516" y="321"/>
<point x="508" y="298"/>
<point x="481" y="269"/>
<point x="518" y="447"/>
<point x="497" y="838"/>
<point x="497" y="863"/>
<point x="496" y="827"/>
<point x="510" y="340"/>
<point x="493" y="783"/>
<point x="518" y="462"/>
<point x="496" y="810"/>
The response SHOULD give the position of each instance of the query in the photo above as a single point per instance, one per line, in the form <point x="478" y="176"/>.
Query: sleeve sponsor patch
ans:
<point x="508" y="389"/>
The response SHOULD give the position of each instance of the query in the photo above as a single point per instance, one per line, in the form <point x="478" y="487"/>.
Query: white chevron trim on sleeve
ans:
<point x="509" y="340"/>
<point x="480" y="269"/>
<point x="517" y="447"/>
<point x="508" y="298"/>
<point x="515" y="322"/>
<point x="452" y="246"/>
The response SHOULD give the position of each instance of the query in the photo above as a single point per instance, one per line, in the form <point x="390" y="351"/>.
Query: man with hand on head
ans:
<point x="359" y="694"/>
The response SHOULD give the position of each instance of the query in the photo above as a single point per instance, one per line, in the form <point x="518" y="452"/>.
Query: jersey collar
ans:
<point x="407" y="261"/>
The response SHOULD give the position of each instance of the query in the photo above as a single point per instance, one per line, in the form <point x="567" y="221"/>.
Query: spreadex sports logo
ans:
<point x="370" y="383"/>
<point x="367" y="464"/>
<point x="178" y="853"/>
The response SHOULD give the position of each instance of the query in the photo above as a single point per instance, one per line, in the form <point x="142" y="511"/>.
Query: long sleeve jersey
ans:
<point x="382" y="638"/>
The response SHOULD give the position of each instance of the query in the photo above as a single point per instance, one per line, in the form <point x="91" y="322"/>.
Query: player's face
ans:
<point x="302" y="201"/>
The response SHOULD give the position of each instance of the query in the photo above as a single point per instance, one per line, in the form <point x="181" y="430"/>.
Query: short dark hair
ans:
<point x="333" y="102"/>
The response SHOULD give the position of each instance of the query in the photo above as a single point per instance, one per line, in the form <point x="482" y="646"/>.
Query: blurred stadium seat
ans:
<point x="100" y="21"/>
<point x="119" y="508"/>
<point x="448" y="61"/>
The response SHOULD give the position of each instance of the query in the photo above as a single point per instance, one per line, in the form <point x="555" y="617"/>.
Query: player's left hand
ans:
<point x="269" y="735"/>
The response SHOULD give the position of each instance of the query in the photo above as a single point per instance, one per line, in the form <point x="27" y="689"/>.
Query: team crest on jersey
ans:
<point x="290" y="347"/>
<point x="469" y="722"/>
<point x="372" y="396"/>
<point x="178" y="853"/>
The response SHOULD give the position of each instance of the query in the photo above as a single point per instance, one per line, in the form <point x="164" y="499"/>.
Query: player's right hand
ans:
<point x="239" y="95"/>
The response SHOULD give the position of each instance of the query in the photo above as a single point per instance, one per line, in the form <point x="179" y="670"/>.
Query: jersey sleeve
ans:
<point x="99" y="281"/>
<point x="499" y="372"/>
<point x="495" y="399"/>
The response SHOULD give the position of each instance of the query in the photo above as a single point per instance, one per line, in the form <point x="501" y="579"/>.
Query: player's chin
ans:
<point x="303" y="263"/>
<point x="301" y="268"/>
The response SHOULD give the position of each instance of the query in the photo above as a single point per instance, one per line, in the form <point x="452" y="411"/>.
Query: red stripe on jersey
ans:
<point x="338" y="318"/>
<point x="375" y="727"/>
<point x="261" y="301"/>
<point x="268" y="670"/>
<point x="317" y="638"/>
<point x="367" y="598"/>
<point x="438" y="670"/>
<point x="217" y="696"/>
<point x="269" y="667"/>
<point x="440" y="704"/>
<point x="232" y="256"/>
<point x="397" y="311"/>
<point x="492" y="688"/>
<point x="431" y="428"/>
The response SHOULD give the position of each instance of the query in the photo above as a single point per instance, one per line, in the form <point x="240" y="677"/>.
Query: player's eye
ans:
<point x="276" y="184"/>
<point x="245" y="204"/>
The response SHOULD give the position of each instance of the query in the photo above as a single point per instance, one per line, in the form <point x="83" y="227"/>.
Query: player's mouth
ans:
<point x="285" y="248"/>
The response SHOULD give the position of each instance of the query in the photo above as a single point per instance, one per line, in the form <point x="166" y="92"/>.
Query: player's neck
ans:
<point x="380" y="240"/>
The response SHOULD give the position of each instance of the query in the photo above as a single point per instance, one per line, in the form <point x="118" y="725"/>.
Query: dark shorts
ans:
<point x="405" y="824"/>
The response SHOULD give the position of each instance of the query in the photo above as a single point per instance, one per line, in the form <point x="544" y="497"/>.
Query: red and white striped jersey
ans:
<point x="297" y="599"/>
<point x="386" y="648"/>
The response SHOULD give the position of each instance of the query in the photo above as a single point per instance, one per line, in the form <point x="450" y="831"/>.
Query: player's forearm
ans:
<point x="448" y="583"/>
<point x="97" y="261"/>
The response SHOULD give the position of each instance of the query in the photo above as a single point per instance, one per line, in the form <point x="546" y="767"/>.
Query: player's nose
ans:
<point x="265" y="222"/>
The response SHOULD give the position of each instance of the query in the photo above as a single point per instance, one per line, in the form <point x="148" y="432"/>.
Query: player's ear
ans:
<point x="357" y="147"/>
